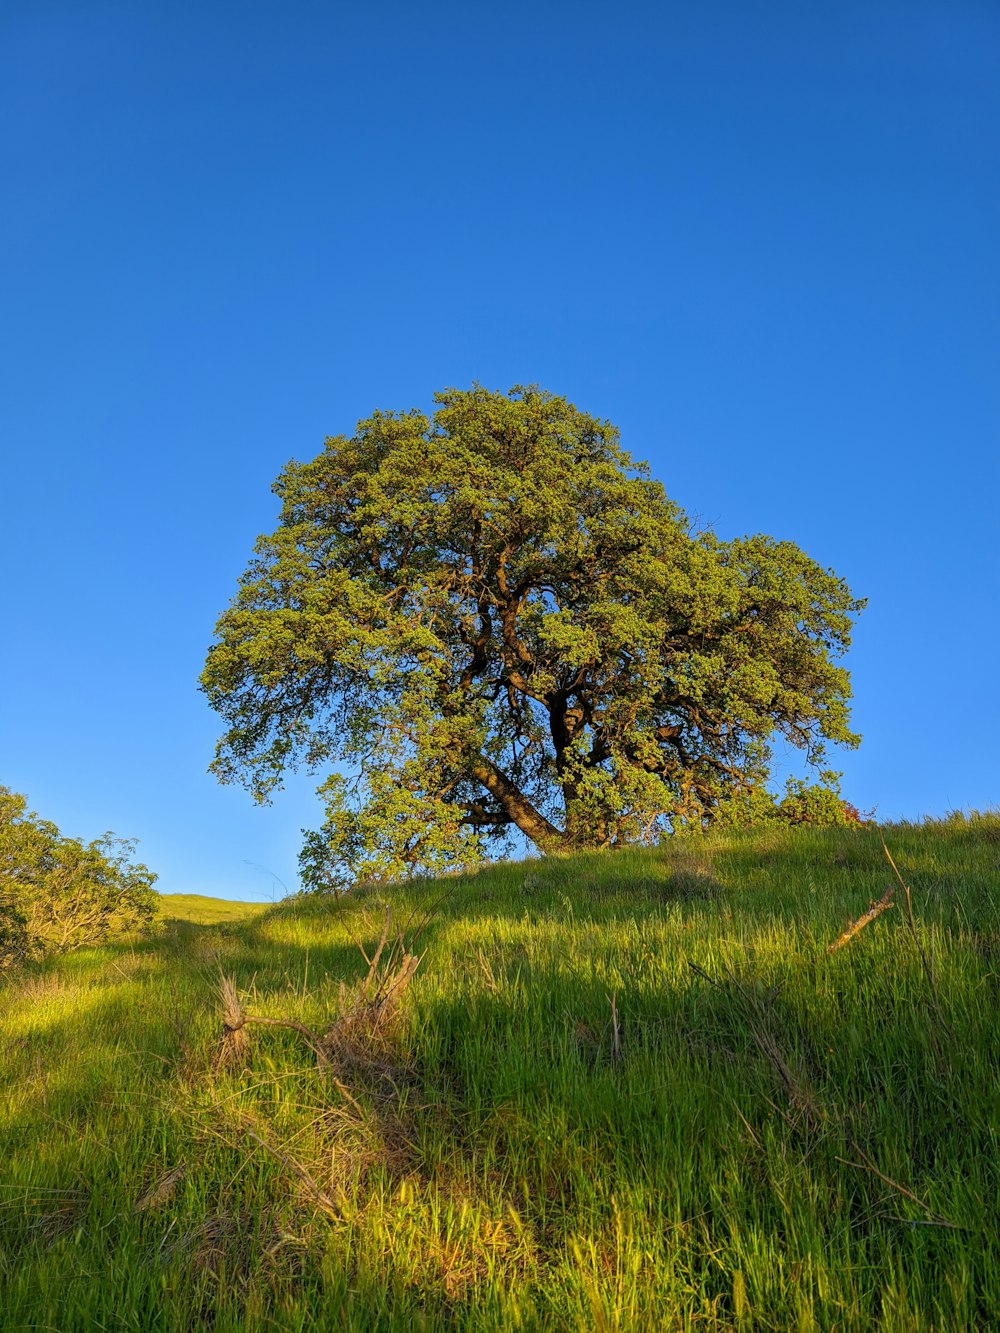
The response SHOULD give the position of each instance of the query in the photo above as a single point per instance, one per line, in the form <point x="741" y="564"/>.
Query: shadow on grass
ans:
<point x="573" y="1089"/>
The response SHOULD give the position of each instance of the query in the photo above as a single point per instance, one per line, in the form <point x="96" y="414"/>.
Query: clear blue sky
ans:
<point x="764" y="239"/>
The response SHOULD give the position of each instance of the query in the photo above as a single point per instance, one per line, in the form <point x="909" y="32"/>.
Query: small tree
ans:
<point x="493" y="619"/>
<point x="58" y="893"/>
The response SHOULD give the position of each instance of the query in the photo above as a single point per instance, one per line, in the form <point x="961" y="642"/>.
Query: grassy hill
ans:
<point x="622" y="1091"/>
<point x="206" y="911"/>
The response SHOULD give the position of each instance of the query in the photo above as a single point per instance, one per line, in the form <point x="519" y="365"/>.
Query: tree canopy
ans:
<point x="492" y="619"/>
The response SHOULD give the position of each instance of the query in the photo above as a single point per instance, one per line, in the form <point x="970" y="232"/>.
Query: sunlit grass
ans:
<point x="205" y="911"/>
<point x="623" y="1091"/>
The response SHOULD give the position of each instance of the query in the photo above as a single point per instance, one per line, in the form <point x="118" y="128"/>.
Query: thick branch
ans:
<point x="522" y="813"/>
<point x="477" y="816"/>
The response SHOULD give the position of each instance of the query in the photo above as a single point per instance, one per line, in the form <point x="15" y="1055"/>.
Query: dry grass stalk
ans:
<point x="616" y="1032"/>
<point x="486" y="975"/>
<point x="66" y="1211"/>
<point x="875" y="909"/>
<point x="927" y="966"/>
<point x="236" y="1042"/>
<point x="349" y="1099"/>
<point x="161" y="1191"/>
<point x="358" y="1039"/>
<point x="333" y="1209"/>
<point x="758" y="1011"/>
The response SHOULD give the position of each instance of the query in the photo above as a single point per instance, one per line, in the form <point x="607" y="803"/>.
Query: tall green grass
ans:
<point x="623" y="1091"/>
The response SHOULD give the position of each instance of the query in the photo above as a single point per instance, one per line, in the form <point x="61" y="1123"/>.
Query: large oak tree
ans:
<point x="493" y="619"/>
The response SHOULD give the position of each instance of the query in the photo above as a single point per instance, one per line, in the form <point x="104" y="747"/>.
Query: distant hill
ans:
<point x="206" y="911"/>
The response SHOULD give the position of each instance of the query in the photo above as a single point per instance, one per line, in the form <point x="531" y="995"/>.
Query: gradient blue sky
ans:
<point x="764" y="239"/>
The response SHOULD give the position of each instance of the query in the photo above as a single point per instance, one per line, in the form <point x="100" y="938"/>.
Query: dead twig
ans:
<point x="373" y="961"/>
<point x="866" y="1164"/>
<point x="351" y="1101"/>
<point x="398" y="982"/>
<point x="875" y="909"/>
<point x="235" y="1042"/>
<point x="322" y="1059"/>
<point x="328" y="1205"/>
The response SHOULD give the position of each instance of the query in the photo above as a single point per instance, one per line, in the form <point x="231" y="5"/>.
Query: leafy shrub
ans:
<point x="59" y="893"/>
<point x="815" y="804"/>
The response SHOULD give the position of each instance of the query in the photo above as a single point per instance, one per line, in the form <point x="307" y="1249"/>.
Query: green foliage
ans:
<point x="58" y="893"/>
<point x="751" y="808"/>
<point x="817" y="804"/>
<point x="811" y="804"/>
<point x="492" y="619"/>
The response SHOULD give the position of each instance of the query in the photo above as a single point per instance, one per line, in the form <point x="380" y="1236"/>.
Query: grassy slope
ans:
<point x="785" y="1138"/>
<point x="206" y="911"/>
